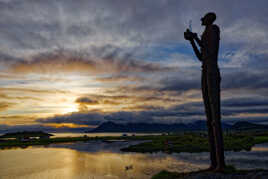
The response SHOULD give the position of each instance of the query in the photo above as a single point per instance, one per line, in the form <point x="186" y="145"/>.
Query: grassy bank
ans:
<point x="195" y="143"/>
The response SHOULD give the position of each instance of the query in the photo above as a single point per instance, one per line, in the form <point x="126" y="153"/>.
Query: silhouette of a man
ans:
<point x="209" y="45"/>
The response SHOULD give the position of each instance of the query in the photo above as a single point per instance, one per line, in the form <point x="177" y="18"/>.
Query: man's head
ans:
<point x="208" y="19"/>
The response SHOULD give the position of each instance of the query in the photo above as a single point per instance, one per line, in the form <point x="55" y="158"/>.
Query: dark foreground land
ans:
<point x="228" y="174"/>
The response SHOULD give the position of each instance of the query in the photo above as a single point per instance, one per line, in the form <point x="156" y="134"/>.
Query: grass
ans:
<point x="261" y="139"/>
<point x="192" y="142"/>
<point x="228" y="170"/>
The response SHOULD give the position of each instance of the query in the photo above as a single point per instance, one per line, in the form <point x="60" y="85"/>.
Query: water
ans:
<point x="100" y="160"/>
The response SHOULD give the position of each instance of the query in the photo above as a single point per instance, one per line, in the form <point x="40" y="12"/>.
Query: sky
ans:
<point x="71" y="65"/>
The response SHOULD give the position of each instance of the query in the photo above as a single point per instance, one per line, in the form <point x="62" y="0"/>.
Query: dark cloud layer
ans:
<point x="39" y="25"/>
<point x="185" y="112"/>
<point x="246" y="102"/>
<point x="84" y="100"/>
<point x="76" y="118"/>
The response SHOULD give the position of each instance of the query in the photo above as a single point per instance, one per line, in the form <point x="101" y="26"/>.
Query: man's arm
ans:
<point x="195" y="36"/>
<point x="196" y="51"/>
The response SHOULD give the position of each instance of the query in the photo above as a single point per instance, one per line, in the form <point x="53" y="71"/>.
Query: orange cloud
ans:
<point x="17" y="119"/>
<point x="30" y="90"/>
<point x="69" y="125"/>
<point x="5" y="105"/>
<point x="119" y="78"/>
<point x="57" y="62"/>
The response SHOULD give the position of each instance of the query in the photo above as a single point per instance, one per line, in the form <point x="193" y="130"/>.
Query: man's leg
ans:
<point x="211" y="137"/>
<point x="214" y="100"/>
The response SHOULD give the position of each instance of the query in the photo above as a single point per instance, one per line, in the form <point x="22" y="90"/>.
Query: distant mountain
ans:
<point x="244" y="125"/>
<point x="153" y="127"/>
<point x="138" y="127"/>
<point x="202" y="125"/>
<point x="177" y="127"/>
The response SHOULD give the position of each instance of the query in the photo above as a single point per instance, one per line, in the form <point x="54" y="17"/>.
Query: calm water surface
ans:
<point x="99" y="160"/>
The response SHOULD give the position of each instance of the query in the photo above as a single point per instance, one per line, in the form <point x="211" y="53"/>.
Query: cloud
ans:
<point x="87" y="101"/>
<point x="132" y="100"/>
<point x="120" y="78"/>
<point x="91" y="118"/>
<point x="179" y="85"/>
<point x="149" y="114"/>
<point x="245" y="79"/>
<point x="62" y="62"/>
<point x="124" y="24"/>
<point x="245" y="102"/>
<point x="45" y="128"/>
<point x="4" y="96"/>
<point x="5" y="105"/>
<point x="233" y="109"/>
<point x="30" y="90"/>
<point x="84" y="101"/>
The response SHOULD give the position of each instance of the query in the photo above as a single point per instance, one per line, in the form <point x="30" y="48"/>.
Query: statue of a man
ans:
<point x="209" y="45"/>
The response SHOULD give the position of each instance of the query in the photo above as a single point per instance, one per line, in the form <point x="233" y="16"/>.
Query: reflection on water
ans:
<point x="96" y="146"/>
<point x="105" y="161"/>
<point x="35" y="163"/>
<point x="255" y="159"/>
<point x="260" y="147"/>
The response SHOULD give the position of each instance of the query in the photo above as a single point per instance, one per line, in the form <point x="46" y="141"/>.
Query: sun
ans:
<point x="69" y="108"/>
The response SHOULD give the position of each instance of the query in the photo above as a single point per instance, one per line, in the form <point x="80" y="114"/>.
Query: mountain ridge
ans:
<point x="175" y="127"/>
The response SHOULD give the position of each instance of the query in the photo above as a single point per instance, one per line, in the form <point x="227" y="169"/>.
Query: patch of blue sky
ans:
<point x="163" y="51"/>
<point x="226" y="52"/>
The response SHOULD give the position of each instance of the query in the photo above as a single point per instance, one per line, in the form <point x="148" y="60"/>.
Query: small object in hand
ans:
<point x="194" y="35"/>
<point x="188" y="35"/>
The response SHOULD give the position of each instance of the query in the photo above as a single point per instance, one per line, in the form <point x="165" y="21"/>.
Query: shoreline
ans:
<point x="191" y="142"/>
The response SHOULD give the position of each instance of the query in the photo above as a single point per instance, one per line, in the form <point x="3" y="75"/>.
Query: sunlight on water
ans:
<point x="40" y="163"/>
<point x="82" y="160"/>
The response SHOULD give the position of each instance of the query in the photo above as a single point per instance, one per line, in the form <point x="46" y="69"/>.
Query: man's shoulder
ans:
<point x="215" y="27"/>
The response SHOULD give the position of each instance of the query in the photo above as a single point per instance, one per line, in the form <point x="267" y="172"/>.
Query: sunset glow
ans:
<point x="60" y="67"/>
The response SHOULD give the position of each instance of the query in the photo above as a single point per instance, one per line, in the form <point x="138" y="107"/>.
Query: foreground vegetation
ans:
<point x="192" y="142"/>
<point x="19" y="143"/>
<point x="229" y="172"/>
<point x="183" y="142"/>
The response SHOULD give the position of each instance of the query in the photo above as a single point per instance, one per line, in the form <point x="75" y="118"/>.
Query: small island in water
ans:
<point x="26" y="135"/>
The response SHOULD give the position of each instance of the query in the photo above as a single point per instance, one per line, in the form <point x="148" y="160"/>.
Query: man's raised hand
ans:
<point x="188" y="35"/>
